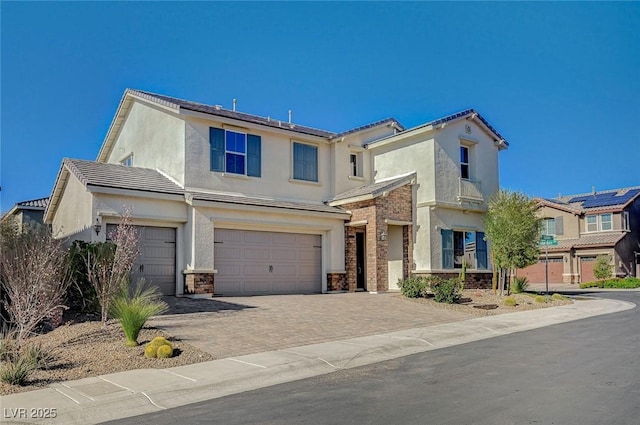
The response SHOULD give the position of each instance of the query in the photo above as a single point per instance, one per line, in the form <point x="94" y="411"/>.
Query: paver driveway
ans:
<point x="233" y="326"/>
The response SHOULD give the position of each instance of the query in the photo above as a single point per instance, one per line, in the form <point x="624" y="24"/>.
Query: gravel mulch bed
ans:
<point x="81" y="350"/>
<point x="484" y="303"/>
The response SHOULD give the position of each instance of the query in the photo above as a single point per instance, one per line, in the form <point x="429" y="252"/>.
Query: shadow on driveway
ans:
<point x="182" y="305"/>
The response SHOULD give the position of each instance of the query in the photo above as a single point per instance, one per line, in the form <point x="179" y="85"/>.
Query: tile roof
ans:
<point x="40" y="203"/>
<point x="597" y="239"/>
<point x="375" y="189"/>
<point x="264" y="202"/>
<point x="121" y="177"/>
<point x="389" y="120"/>
<point x="222" y="112"/>
<point x="604" y="200"/>
<point x="452" y="117"/>
<point x="148" y="180"/>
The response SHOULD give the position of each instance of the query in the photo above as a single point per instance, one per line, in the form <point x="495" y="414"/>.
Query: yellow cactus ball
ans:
<point x="165" y="351"/>
<point x="151" y="351"/>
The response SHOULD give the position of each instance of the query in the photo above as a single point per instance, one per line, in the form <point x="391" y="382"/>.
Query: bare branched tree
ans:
<point x="33" y="274"/>
<point x="109" y="264"/>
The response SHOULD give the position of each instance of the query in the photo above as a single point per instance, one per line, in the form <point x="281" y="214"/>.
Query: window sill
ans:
<point x="236" y="176"/>
<point x="305" y="182"/>
<point x="356" y="178"/>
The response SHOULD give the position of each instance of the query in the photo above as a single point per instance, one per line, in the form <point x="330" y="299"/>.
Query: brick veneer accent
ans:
<point x="198" y="283"/>
<point x="473" y="281"/>
<point x="337" y="282"/>
<point x="396" y="205"/>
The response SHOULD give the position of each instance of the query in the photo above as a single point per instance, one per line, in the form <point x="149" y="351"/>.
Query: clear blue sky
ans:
<point x="561" y="81"/>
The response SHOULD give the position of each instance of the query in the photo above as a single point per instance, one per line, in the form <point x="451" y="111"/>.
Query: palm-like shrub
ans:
<point x="133" y="307"/>
<point x="519" y="285"/>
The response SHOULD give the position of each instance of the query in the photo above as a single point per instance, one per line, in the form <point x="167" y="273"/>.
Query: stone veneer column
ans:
<point x="196" y="283"/>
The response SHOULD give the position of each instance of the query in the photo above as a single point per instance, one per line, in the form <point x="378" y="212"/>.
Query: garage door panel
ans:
<point x="256" y="253"/>
<point x="536" y="273"/>
<point x="157" y="260"/>
<point x="295" y="267"/>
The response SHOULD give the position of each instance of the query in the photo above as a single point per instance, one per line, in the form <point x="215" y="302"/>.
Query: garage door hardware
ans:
<point x="270" y="269"/>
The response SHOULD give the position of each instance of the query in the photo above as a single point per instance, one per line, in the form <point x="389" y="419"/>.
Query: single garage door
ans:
<point x="536" y="273"/>
<point x="586" y="269"/>
<point x="157" y="260"/>
<point x="257" y="263"/>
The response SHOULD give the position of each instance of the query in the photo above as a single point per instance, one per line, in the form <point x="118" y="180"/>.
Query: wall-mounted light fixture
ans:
<point x="98" y="226"/>
<point x="383" y="236"/>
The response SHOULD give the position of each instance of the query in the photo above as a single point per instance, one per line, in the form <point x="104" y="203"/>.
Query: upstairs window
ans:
<point x="625" y="221"/>
<point x="305" y="162"/>
<point x="549" y="226"/>
<point x="464" y="162"/>
<point x="599" y="222"/>
<point x="355" y="164"/>
<point x="128" y="161"/>
<point x="234" y="152"/>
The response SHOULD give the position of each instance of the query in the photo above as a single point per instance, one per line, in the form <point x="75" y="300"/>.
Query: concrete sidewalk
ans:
<point x="125" y="394"/>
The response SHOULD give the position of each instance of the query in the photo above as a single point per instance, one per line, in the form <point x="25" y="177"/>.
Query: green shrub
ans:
<point x="540" y="299"/>
<point x="446" y="291"/>
<point x="134" y="308"/>
<point x="414" y="287"/>
<point x="615" y="283"/>
<point x="519" y="285"/>
<point x="17" y="370"/>
<point x="81" y="296"/>
<point x="37" y="355"/>
<point x="558" y="297"/>
<point x="603" y="267"/>
<point x="510" y="302"/>
<point x="164" y="352"/>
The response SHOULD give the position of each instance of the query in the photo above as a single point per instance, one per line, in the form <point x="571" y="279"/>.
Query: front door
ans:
<point x="360" y="275"/>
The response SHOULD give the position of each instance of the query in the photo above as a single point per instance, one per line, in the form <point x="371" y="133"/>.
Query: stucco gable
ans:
<point x="373" y="190"/>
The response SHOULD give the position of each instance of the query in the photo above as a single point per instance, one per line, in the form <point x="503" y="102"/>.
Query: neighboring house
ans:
<point x="26" y="214"/>
<point x="235" y="204"/>
<point x="586" y="226"/>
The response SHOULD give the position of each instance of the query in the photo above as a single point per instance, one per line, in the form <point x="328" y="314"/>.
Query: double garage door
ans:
<point x="157" y="260"/>
<point x="257" y="263"/>
<point x="537" y="274"/>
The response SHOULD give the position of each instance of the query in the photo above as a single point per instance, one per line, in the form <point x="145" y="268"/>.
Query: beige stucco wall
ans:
<point x="571" y="222"/>
<point x="74" y="216"/>
<point x="354" y="144"/>
<point x="277" y="166"/>
<point x="156" y="139"/>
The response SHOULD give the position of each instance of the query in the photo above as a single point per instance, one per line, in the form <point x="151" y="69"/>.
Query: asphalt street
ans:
<point x="582" y="372"/>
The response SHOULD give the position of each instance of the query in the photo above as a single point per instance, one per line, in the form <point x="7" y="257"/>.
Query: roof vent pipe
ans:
<point x="593" y="190"/>
<point x="290" y="114"/>
<point x="235" y="103"/>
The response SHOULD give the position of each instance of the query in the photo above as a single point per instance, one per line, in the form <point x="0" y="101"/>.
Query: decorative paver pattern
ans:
<point x="233" y="326"/>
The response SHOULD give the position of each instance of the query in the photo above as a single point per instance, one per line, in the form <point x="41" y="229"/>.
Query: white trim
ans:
<point x="260" y="208"/>
<point x="195" y="271"/>
<point x="356" y="148"/>
<point x="268" y="226"/>
<point x="356" y="223"/>
<point x="309" y="182"/>
<point x="134" y="193"/>
<point x="398" y="222"/>
<point x="357" y="178"/>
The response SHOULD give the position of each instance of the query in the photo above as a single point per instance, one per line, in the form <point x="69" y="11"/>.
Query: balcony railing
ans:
<point x="470" y="190"/>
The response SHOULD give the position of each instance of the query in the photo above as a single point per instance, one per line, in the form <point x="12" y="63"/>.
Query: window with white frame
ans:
<point x="355" y="164"/>
<point x="464" y="162"/>
<point x="549" y="226"/>
<point x="235" y="152"/>
<point x="625" y="221"/>
<point x="128" y="161"/>
<point x="599" y="222"/>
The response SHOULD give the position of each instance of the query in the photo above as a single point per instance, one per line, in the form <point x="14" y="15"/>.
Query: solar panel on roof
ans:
<point x="610" y="199"/>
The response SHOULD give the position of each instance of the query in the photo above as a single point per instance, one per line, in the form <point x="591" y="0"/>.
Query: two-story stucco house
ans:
<point x="230" y="203"/>
<point x="586" y="226"/>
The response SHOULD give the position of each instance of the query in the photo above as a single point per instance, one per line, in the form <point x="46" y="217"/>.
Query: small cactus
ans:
<point x="164" y="352"/>
<point x="540" y="299"/>
<point x="557" y="296"/>
<point x="151" y="351"/>
<point x="159" y="347"/>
